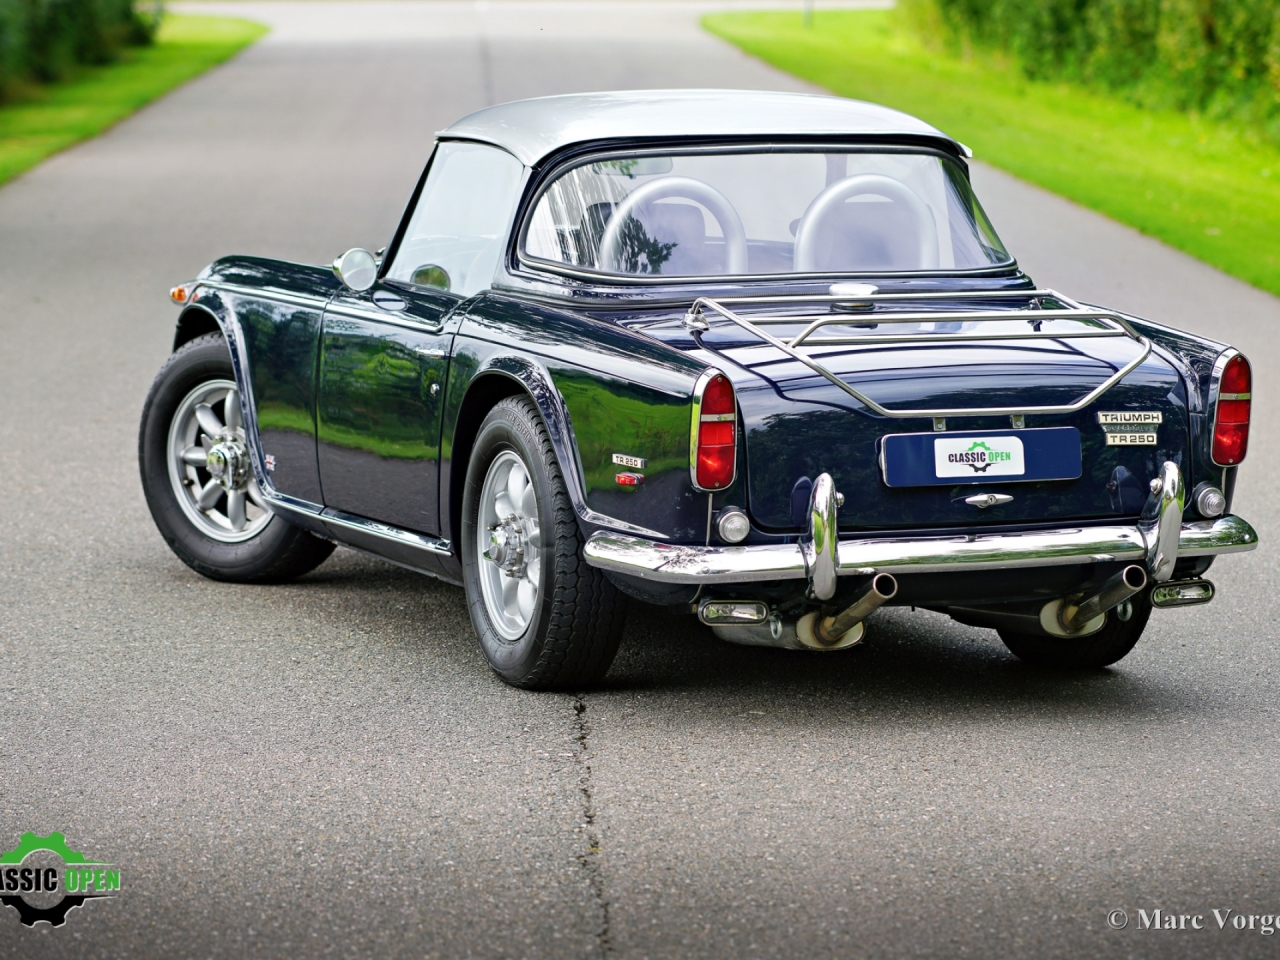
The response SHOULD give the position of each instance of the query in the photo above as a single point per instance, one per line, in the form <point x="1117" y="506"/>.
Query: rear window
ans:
<point x="762" y="212"/>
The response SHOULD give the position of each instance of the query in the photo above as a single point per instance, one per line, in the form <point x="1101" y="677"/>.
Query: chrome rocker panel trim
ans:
<point x="671" y="563"/>
<point x="386" y="532"/>
<point x="317" y="518"/>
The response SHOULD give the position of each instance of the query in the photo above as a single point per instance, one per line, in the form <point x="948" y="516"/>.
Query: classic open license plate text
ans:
<point x="932" y="459"/>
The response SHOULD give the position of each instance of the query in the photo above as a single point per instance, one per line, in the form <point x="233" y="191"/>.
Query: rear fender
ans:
<point x="602" y="391"/>
<point x="480" y="376"/>
<point x="1195" y="358"/>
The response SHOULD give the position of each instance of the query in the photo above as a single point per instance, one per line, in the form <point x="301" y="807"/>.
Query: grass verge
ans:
<point x="52" y="118"/>
<point x="1206" y="188"/>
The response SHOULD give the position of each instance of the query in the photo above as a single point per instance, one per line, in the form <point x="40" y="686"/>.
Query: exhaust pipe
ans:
<point x="832" y="632"/>
<point x="1073" y="618"/>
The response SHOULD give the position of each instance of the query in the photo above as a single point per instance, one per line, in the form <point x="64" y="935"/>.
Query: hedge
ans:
<point x="44" y="40"/>
<point x="1219" y="57"/>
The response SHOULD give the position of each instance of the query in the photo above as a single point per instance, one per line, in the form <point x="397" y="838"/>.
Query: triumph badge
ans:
<point x="1131" y="428"/>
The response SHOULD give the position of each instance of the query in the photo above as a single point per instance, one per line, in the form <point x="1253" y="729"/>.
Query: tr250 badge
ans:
<point x="1131" y="428"/>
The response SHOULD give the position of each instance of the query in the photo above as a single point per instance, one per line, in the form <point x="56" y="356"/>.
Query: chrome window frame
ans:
<point x="392" y="250"/>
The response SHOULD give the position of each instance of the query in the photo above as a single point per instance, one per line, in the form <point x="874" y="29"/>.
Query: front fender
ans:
<point x="208" y="310"/>
<point x="270" y="314"/>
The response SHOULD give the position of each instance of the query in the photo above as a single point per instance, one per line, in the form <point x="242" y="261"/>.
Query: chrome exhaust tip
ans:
<point x="1068" y="618"/>
<point x="752" y="623"/>
<point x="845" y="628"/>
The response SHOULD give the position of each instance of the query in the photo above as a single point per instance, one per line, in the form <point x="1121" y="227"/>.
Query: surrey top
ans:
<point x="531" y="129"/>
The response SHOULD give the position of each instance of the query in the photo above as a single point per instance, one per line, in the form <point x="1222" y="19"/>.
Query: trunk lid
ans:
<point x="798" y="424"/>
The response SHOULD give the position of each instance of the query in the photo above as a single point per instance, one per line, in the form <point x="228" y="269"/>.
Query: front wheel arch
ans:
<point x="278" y="551"/>
<point x="194" y="322"/>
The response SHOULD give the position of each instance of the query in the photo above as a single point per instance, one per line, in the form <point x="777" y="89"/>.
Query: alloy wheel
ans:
<point x="509" y="544"/>
<point x="209" y="465"/>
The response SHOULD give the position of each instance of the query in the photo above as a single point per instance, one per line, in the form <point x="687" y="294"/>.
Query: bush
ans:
<point x="1221" y="57"/>
<point x="44" y="40"/>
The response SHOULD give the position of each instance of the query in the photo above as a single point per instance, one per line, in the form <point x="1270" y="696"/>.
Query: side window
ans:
<point x="454" y="239"/>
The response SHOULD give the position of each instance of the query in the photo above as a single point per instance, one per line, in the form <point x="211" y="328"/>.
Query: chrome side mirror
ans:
<point x="357" y="269"/>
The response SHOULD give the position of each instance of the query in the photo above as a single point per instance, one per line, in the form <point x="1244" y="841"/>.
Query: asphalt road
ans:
<point x="328" y="768"/>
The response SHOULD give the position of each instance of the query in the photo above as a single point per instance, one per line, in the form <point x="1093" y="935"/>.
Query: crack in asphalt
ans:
<point x="590" y="859"/>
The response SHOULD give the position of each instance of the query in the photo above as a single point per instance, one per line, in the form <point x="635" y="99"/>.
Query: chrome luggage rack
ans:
<point x="1108" y="324"/>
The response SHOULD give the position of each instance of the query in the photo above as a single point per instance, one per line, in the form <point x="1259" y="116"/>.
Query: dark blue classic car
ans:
<point x="759" y="357"/>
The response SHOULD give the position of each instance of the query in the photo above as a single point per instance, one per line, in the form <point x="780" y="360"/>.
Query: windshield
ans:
<point x="763" y="212"/>
<point x="454" y="238"/>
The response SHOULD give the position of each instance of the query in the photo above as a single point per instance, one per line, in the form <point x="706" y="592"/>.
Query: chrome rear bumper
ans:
<point x="673" y="563"/>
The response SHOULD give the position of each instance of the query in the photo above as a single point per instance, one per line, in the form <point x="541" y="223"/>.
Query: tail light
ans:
<point x="714" y="453"/>
<point x="1231" y="418"/>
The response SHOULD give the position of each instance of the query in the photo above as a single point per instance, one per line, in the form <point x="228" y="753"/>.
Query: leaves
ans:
<point x="640" y="253"/>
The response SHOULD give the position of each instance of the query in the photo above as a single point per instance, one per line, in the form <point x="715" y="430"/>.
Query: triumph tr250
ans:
<point x="758" y="357"/>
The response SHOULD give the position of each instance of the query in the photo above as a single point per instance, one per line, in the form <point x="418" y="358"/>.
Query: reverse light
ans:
<point x="1231" y="416"/>
<point x="1209" y="500"/>
<point x="733" y="525"/>
<point x="714" y="447"/>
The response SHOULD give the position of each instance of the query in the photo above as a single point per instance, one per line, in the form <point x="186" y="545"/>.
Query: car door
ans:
<point x="385" y="353"/>
<point x="384" y="359"/>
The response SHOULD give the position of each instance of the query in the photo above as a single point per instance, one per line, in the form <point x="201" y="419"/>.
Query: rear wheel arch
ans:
<point x="502" y="377"/>
<point x="564" y="632"/>
<point x="485" y="392"/>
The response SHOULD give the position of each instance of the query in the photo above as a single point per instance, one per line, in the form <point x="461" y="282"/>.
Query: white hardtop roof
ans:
<point x="531" y="129"/>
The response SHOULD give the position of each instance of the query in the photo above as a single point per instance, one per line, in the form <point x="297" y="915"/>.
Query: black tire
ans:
<point x="573" y="633"/>
<point x="1110" y="644"/>
<point x="279" y="551"/>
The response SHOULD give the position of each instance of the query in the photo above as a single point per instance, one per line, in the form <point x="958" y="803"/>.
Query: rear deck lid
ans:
<point x="920" y="408"/>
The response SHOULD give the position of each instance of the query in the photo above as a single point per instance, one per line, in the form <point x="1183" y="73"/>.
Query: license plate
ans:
<point x="996" y="456"/>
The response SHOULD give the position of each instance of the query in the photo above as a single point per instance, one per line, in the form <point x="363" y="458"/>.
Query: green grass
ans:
<point x="52" y="118"/>
<point x="1206" y="188"/>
